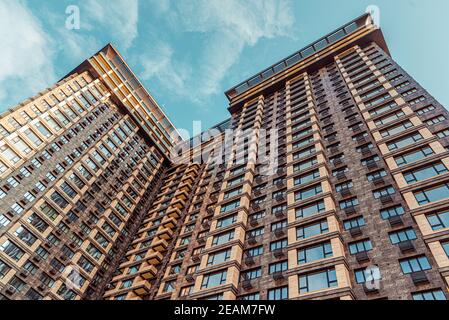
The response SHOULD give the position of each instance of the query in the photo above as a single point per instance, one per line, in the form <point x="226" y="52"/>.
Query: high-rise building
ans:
<point x="329" y="181"/>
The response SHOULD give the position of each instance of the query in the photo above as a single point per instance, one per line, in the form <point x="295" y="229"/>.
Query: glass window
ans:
<point x="367" y="275"/>
<point x="402" y="235"/>
<point x="432" y="194"/>
<point x="309" y="210"/>
<point x="360" y="246"/>
<point x="219" y="257"/>
<point x="278" y="293"/>
<point x="312" y="230"/>
<point x="429" y="295"/>
<point x="425" y="173"/>
<point x="314" y="253"/>
<point x="308" y="193"/>
<point x="403" y="142"/>
<point x="438" y="221"/>
<point x="415" y="264"/>
<point x="214" y="279"/>
<point x="317" y="281"/>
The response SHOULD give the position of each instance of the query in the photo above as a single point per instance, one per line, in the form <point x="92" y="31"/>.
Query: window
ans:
<point x="445" y="246"/>
<point x="318" y="252"/>
<point x="312" y="230"/>
<point x="305" y="165"/>
<point x="250" y="297"/>
<point x="425" y="173"/>
<point x="278" y="293"/>
<point x="169" y="286"/>
<point x="317" y="281"/>
<point x="415" y="264"/>
<point x="9" y="154"/>
<point x="255" y="232"/>
<point x="4" y="269"/>
<point x="403" y="142"/>
<point x="413" y="156"/>
<point x="12" y="250"/>
<point x="429" y="295"/>
<point x="235" y="181"/>
<point x="223" y="238"/>
<point x="432" y="194"/>
<point x="309" y="210"/>
<point x="4" y="221"/>
<point x="435" y="120"/>
<point x="438" y="221"/>
<point x="68" y="190"/>
<point x="383" y="109"/>
<point x="402" y="235"/>
<point x="33" y="137"/>
<point x="396" y="129"/>
<point x="252" y="274"/>
<point x="344" y="186"/>
<point x="367" y="275"/>
<point x="233" y="193"/>
<point x="376" y="175"/>
<point x="383" y="192"/>
<point x="224" y="222"/>
<point x="218" y="257"/>
<point x="354" y="223"/>
<point x="254" y="252"/>
<point x="307" y="178"/>
<point x="279" y="244"/>
<point x="443" y="134"/>
<point x="349" y="203"/>
<point x="25" y="235"/>
<point x="230" y="206"/>
<point x="278" y="267"/>
<point x="279" y="225"/>
<point x="392" y="212"/>
<point x="360" y="246"/>
<point x="308" y="193"/>
<point x="59" y="200"/>
<point x="214" y="279"/>
<point x="389" y="118"/>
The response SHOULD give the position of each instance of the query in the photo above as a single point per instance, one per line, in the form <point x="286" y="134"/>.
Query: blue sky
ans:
<point x="188" y="52"/>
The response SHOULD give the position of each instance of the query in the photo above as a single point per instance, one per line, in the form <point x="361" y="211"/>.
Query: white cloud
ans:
<point x="158" y="63"/>
<point x="228" y="27"/>
<point x="119" y="18"/>
<point x="25" y="57"/>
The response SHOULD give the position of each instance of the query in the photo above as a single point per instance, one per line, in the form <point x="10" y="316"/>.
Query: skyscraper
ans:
<point x="329" y="181"/>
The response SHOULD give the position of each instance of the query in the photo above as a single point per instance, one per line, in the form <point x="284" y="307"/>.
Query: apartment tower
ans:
<point x="329" y="181"/>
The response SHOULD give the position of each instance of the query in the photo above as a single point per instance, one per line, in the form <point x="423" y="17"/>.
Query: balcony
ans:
<point x="148" y="272"/>
<point x="141" y="288"/>
<point x="165" y="233"/>
<point x="159" y="245"/>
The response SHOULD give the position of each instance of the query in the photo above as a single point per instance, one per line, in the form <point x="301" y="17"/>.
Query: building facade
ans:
<point x="329" y="181"/>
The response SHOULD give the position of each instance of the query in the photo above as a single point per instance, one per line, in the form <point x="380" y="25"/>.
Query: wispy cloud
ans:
<point x="228" y="27"/>
<point x="118" y="18"/>
<point x="158" y="63"/>
<point x="25" y="57"/>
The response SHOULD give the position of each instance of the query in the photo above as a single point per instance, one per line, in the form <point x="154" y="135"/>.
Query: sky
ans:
<point x="188" y="53"/>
